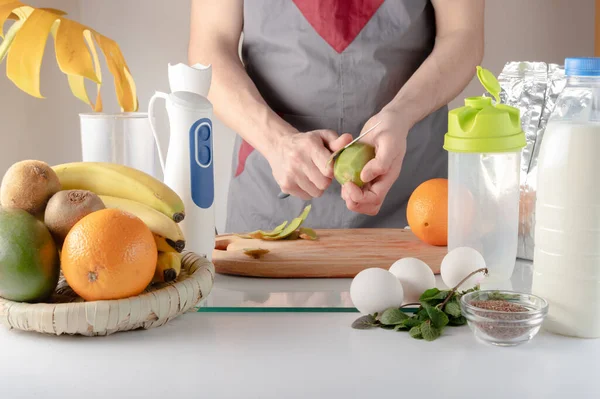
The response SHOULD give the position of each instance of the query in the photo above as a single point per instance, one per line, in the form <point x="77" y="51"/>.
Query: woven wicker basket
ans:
<point x="67" y="313"/>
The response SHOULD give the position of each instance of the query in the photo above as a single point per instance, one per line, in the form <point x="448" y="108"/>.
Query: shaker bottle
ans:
<point x="484" y="143"/>
<point x="566" y="260"/>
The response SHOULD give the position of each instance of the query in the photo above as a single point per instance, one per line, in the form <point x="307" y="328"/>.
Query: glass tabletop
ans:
<point x="248" y="294"/>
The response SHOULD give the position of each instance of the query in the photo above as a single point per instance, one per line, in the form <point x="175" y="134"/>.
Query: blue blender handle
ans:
<point x="201" y="163"/>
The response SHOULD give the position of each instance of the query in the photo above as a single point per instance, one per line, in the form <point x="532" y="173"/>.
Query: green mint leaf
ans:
<point x="453" y="308"/>
<point x="496" y="295"/>
<point x="415" y="332"/>
<point x="429" y="294"/>
<point x="430" y="332"/>
<point x="476" y="288"/>
<point x="393" y="317"/>
<point x="364" y="322"/>
<point x="457" y="321"/>
<point x="401" y="327"/>
<point x="437" y="317"/>
<point x="387" y="327"/>
<point x="422" y="314"/>
<point x="411" y="322"/>
<point x="441" y="295"/>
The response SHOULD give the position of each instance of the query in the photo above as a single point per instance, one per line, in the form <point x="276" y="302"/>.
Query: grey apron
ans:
<point x="326" y="74"/>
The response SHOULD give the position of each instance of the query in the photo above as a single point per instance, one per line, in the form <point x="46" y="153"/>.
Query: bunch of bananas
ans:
<point x="140" y="194"/>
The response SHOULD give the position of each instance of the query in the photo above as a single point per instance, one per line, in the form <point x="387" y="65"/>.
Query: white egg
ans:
<point x="415" y="277"/>
<point x="375" y="290"/>
<point x="458" y="263"/>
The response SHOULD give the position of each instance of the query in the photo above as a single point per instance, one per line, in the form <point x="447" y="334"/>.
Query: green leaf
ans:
<point x="393" y="316"/>
<point x="415" y="332"/>
<point x="429" y="294"/>
<point x="476" y="288"/>
<point x="429" y="331"/>
<point x="437" y="317"/>
<point x="402" y="327"/>
<point x="411" y="322"/>
<point x="422" y="314"/>
<point x="441" y="295"/>
<point x="387" y="327"/>
<point x="496" y="295"/>
<point x="453" y="308"/>
<point x="457" y="321"/>
<point x="364" y="323"/>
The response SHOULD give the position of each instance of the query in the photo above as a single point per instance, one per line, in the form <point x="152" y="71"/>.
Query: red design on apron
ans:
<point x="338" y="22"/>
<point x="245" y="151"/>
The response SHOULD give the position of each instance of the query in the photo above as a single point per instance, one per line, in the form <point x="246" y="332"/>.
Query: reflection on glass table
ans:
<point x="247" y="294"/>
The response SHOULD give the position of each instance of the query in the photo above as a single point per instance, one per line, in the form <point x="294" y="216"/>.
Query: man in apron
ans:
<point x="313" y="75"/>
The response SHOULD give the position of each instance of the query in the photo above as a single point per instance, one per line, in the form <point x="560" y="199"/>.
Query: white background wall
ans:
<point x="534" y="30"/>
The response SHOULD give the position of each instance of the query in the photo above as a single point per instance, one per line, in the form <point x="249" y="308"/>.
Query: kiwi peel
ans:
<point x="255" y="253"/>
<point x="262" y="233"/>
<point x="286" y="231"/>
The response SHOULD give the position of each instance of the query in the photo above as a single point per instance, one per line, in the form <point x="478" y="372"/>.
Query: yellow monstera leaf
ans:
<point x="75" y="47"/>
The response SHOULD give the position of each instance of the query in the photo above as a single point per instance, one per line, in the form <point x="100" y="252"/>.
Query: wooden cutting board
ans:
<point x="337" y="253"/>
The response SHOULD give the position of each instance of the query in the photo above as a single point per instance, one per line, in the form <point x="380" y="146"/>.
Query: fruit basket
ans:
<point x="67" y="313"/>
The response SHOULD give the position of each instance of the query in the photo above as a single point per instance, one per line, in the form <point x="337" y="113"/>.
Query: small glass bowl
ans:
<point x="504" y="328"/>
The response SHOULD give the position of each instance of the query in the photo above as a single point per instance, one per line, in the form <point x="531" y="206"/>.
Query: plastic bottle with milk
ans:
<point x="567" y="230"/>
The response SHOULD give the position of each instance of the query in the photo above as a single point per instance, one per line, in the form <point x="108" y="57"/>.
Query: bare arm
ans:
<point x="443" y="75"/>
<point x="215" y="31"/>
<point x="449" y="68"/>
<point x="298" y="160"/>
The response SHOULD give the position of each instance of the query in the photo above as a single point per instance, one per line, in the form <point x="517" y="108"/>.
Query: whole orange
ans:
<point x="427" y="212"/>
<point x="109" y="254"/>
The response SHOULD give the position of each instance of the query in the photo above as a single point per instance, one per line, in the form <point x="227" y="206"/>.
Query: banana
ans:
<point x="168" y="267"/>
<point x="104" y="178"/>
<point x="166" y="245"/>
<point x="167" y="233"/>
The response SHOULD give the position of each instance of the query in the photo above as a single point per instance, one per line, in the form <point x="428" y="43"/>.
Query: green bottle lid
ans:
<point x="481" y="126"/>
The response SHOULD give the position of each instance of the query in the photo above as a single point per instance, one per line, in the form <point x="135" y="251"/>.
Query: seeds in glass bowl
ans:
<point x="497" y="329"/>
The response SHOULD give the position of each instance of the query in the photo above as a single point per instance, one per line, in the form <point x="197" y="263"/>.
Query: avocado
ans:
<point x="29" y="260"/>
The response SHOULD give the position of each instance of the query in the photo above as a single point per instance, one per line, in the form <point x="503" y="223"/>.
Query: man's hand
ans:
<point x="389" y="140"/>
<point x="299" y="163"/>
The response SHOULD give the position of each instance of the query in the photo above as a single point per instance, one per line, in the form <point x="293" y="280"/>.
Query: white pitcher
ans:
<point x="188" y="167"/>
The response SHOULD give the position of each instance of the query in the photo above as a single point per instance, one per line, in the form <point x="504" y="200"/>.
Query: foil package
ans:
<point x="533" y="88"/>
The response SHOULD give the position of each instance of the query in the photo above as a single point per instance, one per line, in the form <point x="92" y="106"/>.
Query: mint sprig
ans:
<point x="436" y="310"/>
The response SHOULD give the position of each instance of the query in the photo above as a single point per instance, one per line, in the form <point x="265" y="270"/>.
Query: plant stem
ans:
<point x="453" y="290"/>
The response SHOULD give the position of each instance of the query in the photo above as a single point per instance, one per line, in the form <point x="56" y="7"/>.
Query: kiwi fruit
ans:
<point x="28" y="185"/>
<point x="68" y="207"/>
<point x="351" y="162"/>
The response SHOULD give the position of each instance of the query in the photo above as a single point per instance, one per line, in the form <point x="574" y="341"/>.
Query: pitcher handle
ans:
<point x="165" y="96"/>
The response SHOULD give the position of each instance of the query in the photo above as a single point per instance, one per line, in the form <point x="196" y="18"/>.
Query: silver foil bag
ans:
<point x="533" y="88"/>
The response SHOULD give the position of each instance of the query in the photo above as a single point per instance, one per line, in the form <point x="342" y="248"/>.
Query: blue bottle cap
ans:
<point x="584" y="66"/>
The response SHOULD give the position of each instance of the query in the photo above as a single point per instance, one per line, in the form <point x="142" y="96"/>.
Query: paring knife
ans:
<point x="333" y="156"/>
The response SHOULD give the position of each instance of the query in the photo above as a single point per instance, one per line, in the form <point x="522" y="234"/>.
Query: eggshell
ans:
<point x="415" y="277"/>
<point x="458" y="263"/>
<point x="375" y="290"/>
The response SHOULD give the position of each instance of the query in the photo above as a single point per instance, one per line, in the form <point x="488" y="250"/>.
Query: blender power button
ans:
<point x="203" y="133"/>
<point x="204" y="155"/>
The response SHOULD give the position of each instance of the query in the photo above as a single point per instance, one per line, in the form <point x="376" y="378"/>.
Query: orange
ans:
<point x="109" y="254"/>
<point x="427" y="212"/>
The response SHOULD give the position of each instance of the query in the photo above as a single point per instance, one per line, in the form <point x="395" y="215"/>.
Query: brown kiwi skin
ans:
<point x="68" y="207"/>
<point x="28" y="185"/>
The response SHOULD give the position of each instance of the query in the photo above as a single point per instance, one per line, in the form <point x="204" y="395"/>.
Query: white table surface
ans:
<point x="292" y="355"/>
